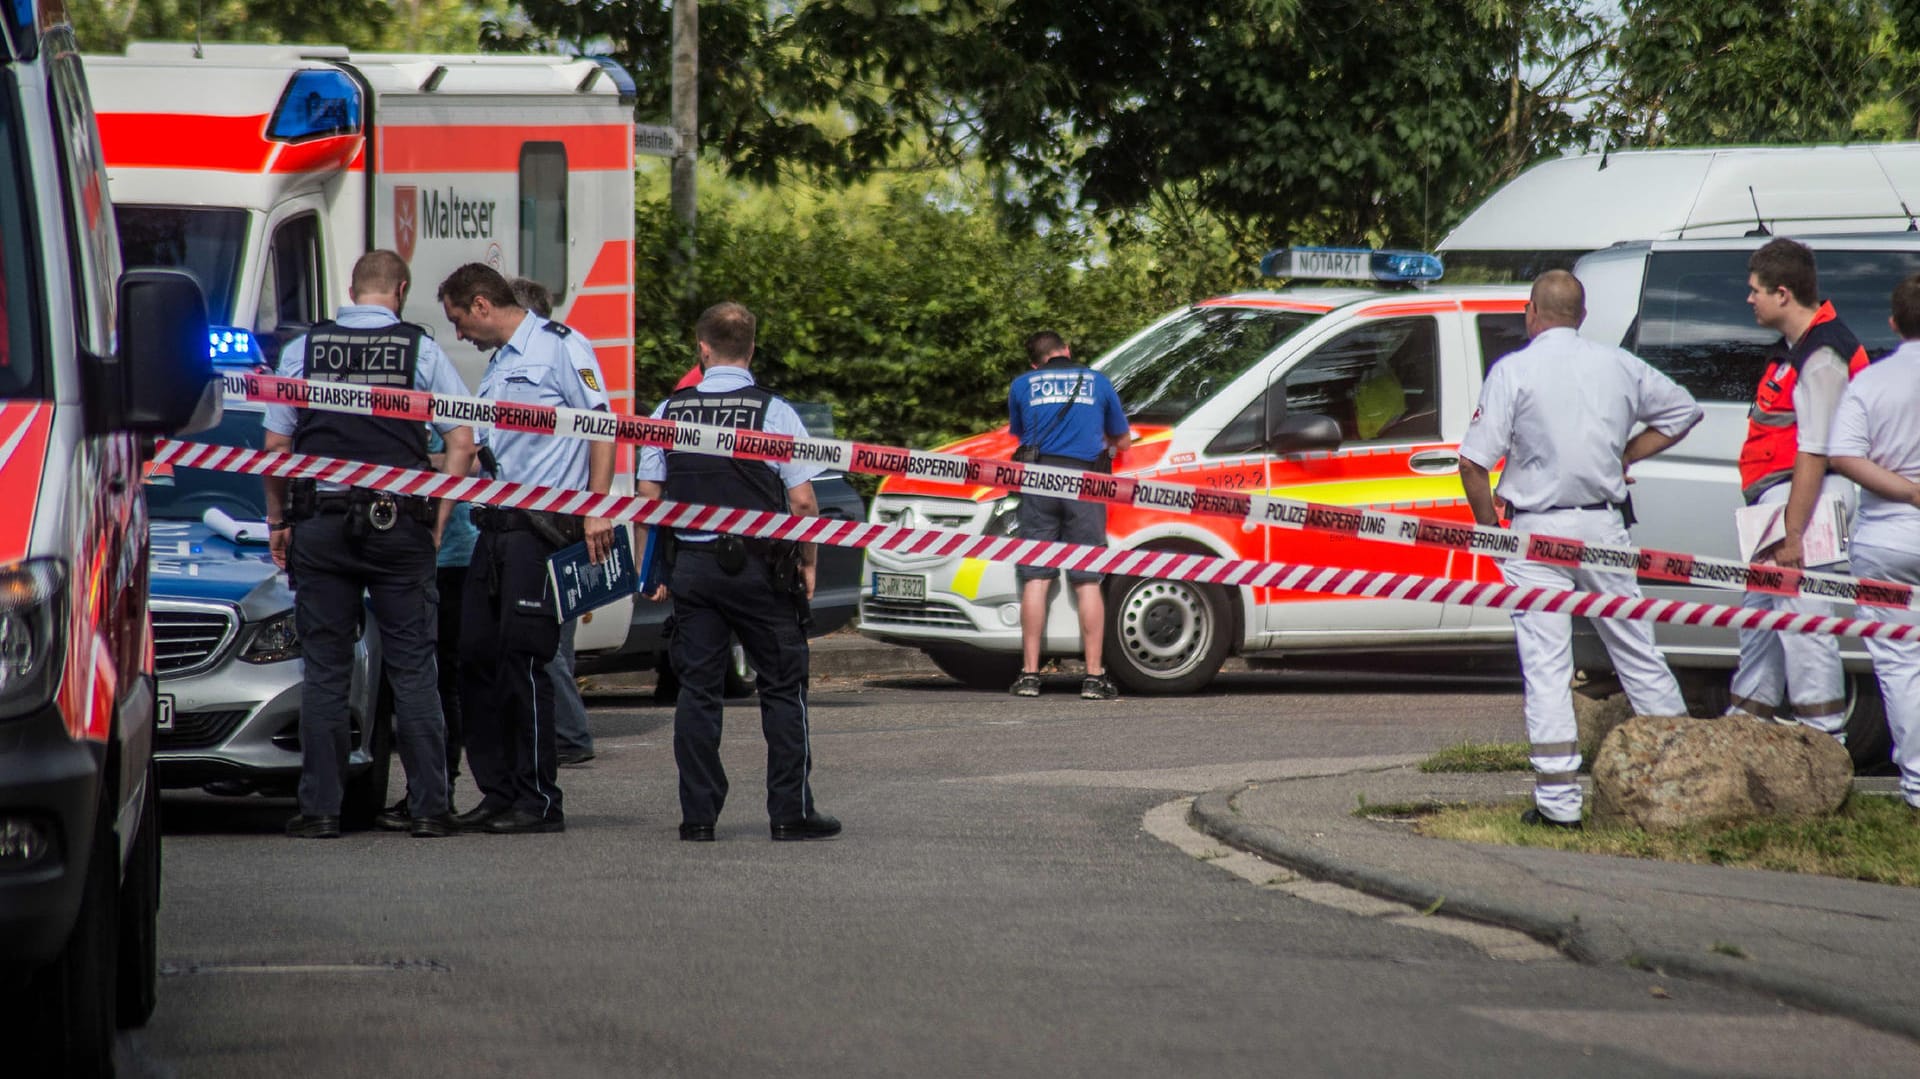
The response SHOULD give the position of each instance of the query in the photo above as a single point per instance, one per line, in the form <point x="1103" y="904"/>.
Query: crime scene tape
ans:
<point x="1167" y="565"/>
<point x="1250" y="509"/>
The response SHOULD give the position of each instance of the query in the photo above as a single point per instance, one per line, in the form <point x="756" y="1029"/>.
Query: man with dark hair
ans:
<point x="1876" y="443"/>
<point x="341" y="544"/>
<point x="509" y="630"/>
<point x="1560" y="412"/>
<point x="725" y="587"/>
<point x="1784" y="460"/>
<point x="1070" y="416"/>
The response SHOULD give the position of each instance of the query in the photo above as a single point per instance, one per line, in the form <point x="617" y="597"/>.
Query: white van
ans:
<point x="1682" y="306"/>
<point x="1558" y="210"/>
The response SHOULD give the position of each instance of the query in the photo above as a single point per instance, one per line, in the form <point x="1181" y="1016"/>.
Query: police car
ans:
<point x="1214" y="392"/>
<point x="225" y="649"/>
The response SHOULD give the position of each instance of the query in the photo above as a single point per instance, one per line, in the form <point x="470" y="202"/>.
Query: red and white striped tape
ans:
<point x="1139" y="563"/>
<point x="1252" y="509"/>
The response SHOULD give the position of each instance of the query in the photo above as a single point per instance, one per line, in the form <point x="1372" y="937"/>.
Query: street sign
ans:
<point x="656" y="140"/>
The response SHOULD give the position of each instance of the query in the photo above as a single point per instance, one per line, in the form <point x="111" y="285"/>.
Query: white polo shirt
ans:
<point x="1561" y="411"/>
<point x="1879" y="419"/>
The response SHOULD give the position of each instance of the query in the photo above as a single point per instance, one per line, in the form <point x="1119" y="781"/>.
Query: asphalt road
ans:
<point x="994" y="908"/>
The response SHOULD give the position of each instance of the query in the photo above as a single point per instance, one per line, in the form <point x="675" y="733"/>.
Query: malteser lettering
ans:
<point x="456" y="217"/>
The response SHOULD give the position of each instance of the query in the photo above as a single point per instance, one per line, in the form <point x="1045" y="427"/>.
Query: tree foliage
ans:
<point x="410" y="25"/>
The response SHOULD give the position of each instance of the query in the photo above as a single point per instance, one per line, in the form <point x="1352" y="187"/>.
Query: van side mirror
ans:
<point x="167" y="381"/>
<point x="1294" y="432"/>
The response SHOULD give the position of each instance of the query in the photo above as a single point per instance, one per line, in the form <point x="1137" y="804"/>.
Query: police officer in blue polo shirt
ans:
<point x="509" y="630"/>
<point x="1066" y="414"/>
<point x="726" y="586"/>
<point x="339" y="544"/>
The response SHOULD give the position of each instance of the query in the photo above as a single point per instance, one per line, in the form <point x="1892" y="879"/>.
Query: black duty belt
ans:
<point x="1623" y="508"/>
<point x="560" y="529"/>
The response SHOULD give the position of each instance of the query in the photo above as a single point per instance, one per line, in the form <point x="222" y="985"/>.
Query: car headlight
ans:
<point x="276" y="640"/>
<point x="33" y="633"/>
<point x="1004" y="518"/>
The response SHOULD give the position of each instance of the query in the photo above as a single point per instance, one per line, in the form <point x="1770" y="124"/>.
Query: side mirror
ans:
<point x="1294" y="432"/>
<point x="167" y="381"/>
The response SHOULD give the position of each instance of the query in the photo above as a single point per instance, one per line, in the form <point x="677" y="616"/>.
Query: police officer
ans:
<point x="1784" y="460"/>
<point x="725" y="586"/>
<point x="509" y="629"/>
<point x="1560" y="412"/>
<point x="339" y="544"/>
<point x="1876" y="443"/>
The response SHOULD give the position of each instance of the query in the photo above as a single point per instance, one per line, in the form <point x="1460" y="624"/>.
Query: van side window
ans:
<point x="20" y="364"/>
<point x="1499" y="335"/>
<point x="1695" y="324"/>
<point x="290" y="301"/>
<point x="543" y="216"/>
<point x="1380" y="381"/>
<point x="94" y="252"/>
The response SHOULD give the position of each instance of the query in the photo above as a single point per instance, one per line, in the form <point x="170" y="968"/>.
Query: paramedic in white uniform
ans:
<point x="1560" y="412"/>
<point x="1876" y="444"/>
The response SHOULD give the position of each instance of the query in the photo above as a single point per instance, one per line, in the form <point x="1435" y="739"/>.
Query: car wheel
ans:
<point x="139" y="913"/>
<point x="366" y="794"/>
<point x="1869" y="742"/>
<point x="976" y="669"/>
<point x="63" y="1020"/>
<point x="1165" y="636"/>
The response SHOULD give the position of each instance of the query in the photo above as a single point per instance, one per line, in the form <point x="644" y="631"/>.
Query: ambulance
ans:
<point x="266" y="170"/>
<point x="94" y="363"/>
<point x="1226" y="394"/>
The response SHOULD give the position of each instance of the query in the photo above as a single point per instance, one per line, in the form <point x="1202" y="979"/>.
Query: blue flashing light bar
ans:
<point x="231" y="346"/>
<point x="317" y="104"/>
<point x="1352" y="264"/>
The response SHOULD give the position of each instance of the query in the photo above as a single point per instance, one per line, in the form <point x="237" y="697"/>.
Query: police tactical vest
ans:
<point x="383" y="358"/>
<point x="1773" y="431"/>
<point x="723" y="481"/>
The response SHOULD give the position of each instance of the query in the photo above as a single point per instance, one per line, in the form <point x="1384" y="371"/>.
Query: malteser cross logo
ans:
<point x="406" y="220"/>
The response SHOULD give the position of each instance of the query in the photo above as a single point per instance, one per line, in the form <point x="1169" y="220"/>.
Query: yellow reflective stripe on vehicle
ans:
<point x="1380" y="492"/>
<point x="966" y="579"/>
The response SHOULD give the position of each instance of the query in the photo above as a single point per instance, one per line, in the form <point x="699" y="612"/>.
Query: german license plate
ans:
<point x="899" y="586"/>
<point x="163" y="716"/>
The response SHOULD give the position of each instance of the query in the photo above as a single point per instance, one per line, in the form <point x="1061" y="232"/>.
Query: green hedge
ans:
<point x="905" y="315"/>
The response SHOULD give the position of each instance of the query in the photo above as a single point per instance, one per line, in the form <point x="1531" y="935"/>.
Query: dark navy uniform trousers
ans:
<point x="508" y="635"/>
<point x="710" y="608"/>
<point x="393" y="570"/>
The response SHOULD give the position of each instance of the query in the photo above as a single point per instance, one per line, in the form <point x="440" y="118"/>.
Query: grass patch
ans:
<point x="1479" y="757"/>
<point x="1871" y="838"/>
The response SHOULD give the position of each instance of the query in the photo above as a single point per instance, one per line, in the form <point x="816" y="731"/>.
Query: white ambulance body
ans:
<point x="268" y="169"/>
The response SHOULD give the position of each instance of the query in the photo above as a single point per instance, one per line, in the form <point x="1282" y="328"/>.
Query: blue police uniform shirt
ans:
<point x="537" y="367"/>
<point x="781" y="420"/>
<point x="433" y="373"/>
<point x="1093" y="414"/>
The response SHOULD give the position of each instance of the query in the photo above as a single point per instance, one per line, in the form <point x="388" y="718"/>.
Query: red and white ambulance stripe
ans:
<point x="1161" y="564"/>
<point x="1251" y="509"/>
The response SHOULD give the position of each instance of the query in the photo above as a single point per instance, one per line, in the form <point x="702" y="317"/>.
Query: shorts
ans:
<point x="1064" y="519"/>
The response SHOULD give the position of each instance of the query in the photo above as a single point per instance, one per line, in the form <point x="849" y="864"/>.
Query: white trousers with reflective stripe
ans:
<point x="1800" y="667"/>
<point x="1546" y="655"/>
<point x="1896" y="663"/>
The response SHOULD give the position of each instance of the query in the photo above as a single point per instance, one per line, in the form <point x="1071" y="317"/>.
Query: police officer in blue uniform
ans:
<point x="726" y="586"/>
<point x="340" y="544"/>
<point x="509" y="630"/>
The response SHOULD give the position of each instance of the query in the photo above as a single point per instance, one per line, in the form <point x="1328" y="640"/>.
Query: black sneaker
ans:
<point x="1027" y="685"/>
<point x="1533" y="818"/>
<point x="1098" y="687"/>
<point x="394" y="818"/>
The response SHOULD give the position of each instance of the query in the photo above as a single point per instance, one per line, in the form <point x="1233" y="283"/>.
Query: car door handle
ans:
<point x="1435" y="462"/>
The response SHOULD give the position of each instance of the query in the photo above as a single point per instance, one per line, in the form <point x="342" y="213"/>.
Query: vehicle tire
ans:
<point x="140" y="915"/>
<point x="1165" y="636"/>
<point x="740" y="674"/>
<point x="66" y="1025"/>
<point x="1869" y="742"/>
<point x="366" y="793"/>
<point x="976" y="669"/>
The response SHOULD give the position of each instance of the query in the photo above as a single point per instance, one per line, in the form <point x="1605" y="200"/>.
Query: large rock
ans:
<point x="1661" y="772"/>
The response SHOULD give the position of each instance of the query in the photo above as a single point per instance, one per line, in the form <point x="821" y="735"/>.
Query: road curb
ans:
<point x="1214" y="814"/>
